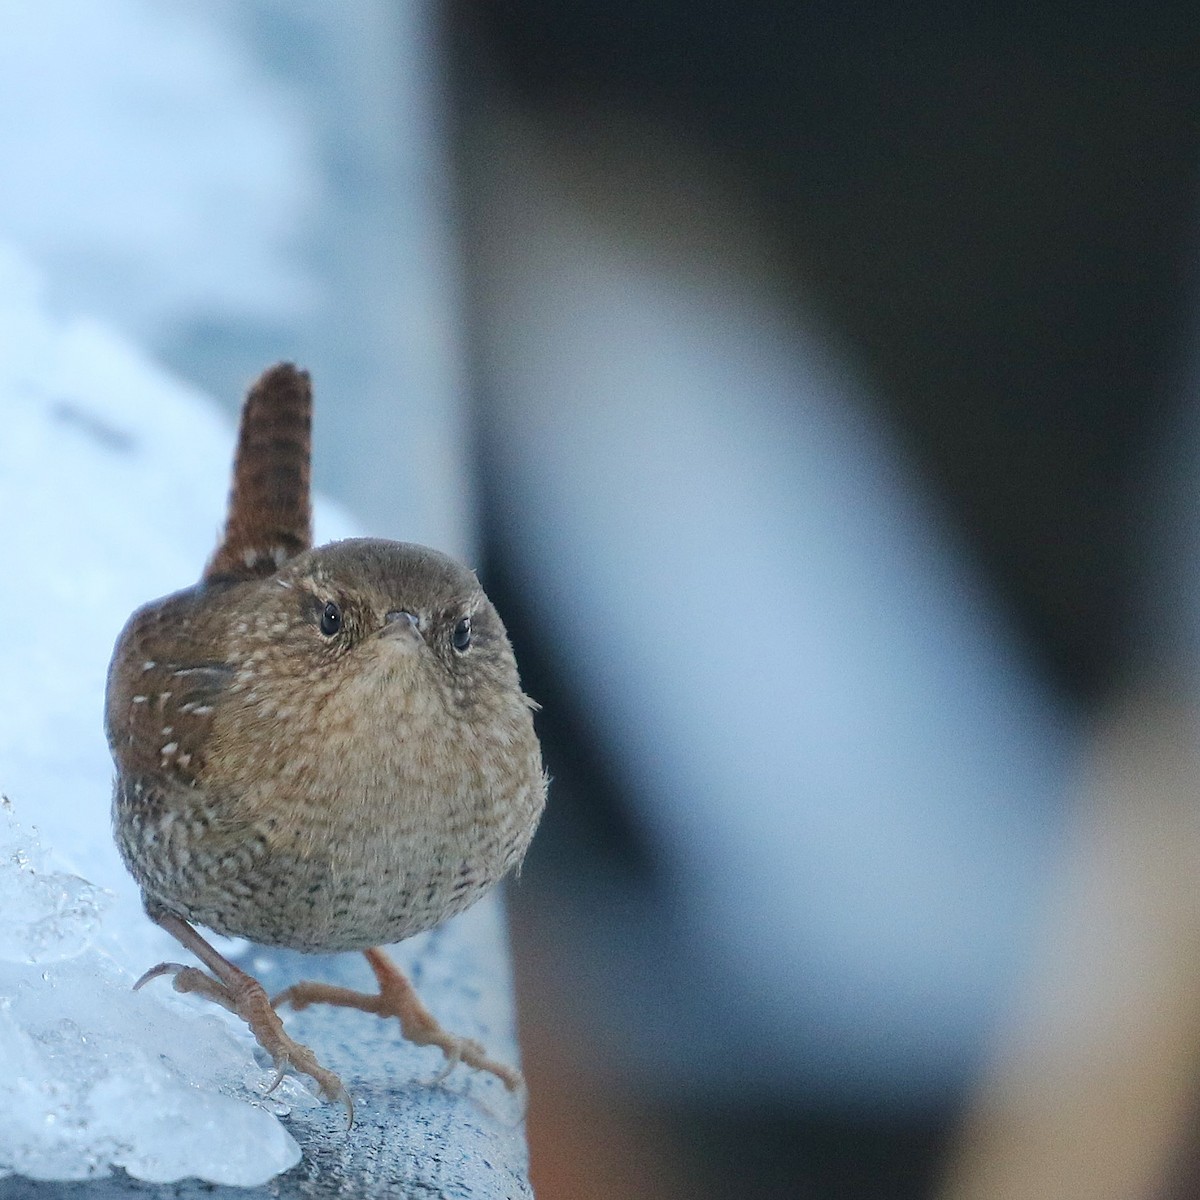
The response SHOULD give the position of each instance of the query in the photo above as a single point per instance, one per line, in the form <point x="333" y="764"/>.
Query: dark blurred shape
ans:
<point x="996" y="206"/>
<point x="995" y="212"/>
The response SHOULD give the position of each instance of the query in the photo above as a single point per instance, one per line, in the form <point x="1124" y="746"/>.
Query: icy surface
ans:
<point x="48" y="915"/>
<point x="112" y="479"/>
<point x="96" y="1076"/>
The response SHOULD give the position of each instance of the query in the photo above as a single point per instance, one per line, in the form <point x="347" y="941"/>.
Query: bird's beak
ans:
<point x="400" y="624"/>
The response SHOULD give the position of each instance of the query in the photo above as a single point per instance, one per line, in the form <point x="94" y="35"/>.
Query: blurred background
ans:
<point x="814" y="388"/>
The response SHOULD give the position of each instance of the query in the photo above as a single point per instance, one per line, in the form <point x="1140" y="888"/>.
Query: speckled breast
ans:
<point x="345" y="878"/>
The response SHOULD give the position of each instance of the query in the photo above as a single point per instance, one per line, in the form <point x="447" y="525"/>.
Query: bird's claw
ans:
<point x="245" y="997"/>
<point x="280" y="1072"/>
<point x="163" y="968"/>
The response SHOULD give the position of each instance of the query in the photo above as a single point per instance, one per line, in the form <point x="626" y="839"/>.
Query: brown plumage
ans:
<point x="322" y="749"/>
<point x="270" y="510"/>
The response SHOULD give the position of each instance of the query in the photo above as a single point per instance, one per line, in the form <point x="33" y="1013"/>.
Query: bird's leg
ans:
<point x="397" y="998"/>
<point x="244" y="995"/>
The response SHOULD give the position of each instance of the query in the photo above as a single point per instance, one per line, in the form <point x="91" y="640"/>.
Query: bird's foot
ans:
<point x="243" y="995"/>
<point x="397" y="998"/>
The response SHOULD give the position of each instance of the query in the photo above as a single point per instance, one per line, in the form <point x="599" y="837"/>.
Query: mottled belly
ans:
<point x="348" y="889"/>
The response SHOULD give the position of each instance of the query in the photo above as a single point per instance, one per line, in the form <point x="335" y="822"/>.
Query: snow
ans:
<point x="162" y="173"/>
<point x="112" y="478"/>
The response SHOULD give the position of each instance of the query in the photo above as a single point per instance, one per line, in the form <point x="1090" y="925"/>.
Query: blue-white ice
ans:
<point x="96" y="1076"/>
<point x="112" y="481"/>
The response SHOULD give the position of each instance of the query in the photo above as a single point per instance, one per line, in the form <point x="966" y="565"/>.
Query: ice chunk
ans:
<point x="96" y="1075"/>
<point x="48" y="915"/>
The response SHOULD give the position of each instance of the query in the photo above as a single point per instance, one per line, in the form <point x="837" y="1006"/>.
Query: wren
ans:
<point x="324" y="749"/>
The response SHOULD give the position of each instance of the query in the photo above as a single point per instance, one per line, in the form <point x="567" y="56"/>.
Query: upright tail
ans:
<point x="270" y="507"/>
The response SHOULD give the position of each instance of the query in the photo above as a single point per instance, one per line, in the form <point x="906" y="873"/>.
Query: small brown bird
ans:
<point x="321" y="749"/>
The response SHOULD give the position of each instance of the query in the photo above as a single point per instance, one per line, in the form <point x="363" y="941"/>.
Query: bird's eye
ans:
<point x="462" y="635"/>
<point x="331" y="619"/>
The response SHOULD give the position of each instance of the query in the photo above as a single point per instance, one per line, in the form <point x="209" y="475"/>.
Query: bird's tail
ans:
<point x="270" y="506"/>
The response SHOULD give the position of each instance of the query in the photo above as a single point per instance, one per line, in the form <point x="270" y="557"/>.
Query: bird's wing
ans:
<point x="163" y="690"/>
